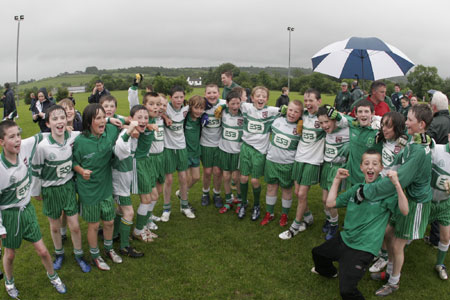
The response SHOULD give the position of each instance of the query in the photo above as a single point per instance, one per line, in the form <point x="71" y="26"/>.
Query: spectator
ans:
<point x="343" y="99"/>
<point x="40" y="108"/>
<point x="404" y="108"/>
<point x="413" y="100"/>
<point x="378" y="97"/>
<point x="284" y="97"/>
<point x="9" y="106"/>
<point x="71" y="98"/>
<point x="50" y="98"/>
<point x="149" y="89"/>
<point x="409" y="94"/>
<point x="98" y="91"/>
<point x="356" y="93"/>
<point x="228" y="83"/>
<point x="396" y="96"/>
<point x="32" y="101"/>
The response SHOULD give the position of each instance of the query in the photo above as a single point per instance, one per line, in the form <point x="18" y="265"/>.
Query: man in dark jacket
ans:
<point x="356" y="93"/>
<point x="284" y="97"/>
<point x="98" y="91"/>
<point x="9" y="106"/>
<point x="343" y="99"/>
<point x="40" y="108"/>
<point x="396" y="97"/>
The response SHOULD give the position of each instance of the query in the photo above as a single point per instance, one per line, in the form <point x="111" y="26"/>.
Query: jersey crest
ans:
<point x="316" y="124"/>
<point x="265" y="114"/>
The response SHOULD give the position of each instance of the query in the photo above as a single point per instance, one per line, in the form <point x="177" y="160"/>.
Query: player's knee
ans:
<point x="255" y="182"/>
<point x="108" y="224"/>
<point x="10" y="254"/>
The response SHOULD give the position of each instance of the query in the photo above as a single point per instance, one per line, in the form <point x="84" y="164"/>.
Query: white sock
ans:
<point x="394" y="279"/>
<point x="389" y="267"/>
<point x="286" y="203"/>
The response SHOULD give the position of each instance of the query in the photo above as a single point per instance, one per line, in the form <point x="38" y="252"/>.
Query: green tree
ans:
<point x="91" y="70"/>
<point x="62" y="93"/>
<point x="423" y="79"/>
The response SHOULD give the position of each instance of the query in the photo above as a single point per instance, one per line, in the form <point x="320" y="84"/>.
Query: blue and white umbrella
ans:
<point x="366" y="58"/>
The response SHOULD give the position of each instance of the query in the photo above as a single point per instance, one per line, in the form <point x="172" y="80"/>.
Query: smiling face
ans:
<point x="177" y="99"/>
<point x="312" y="103"/>
<point x="153" y="106"/>
<point x="70" y="113"/>
<point x="99" y="86"/>
<point x="57" y="122"/>
<point x="371" y="166"/>
<point x="413" y="125"/>
<point x="234" y="105"/>
<point x="197" y="111"/>
<point x="41" y="97"/>
<point x="388" y="129"/>
<point x="212" y="94"/>
<point x="110" y="108"/>
<point x="98" y="123"/>
<point x="326" y="124"/>
<point x="226" y="80"/>
<point x="364" y="115"/>
<point x="294" y="112"/>
<point x="141" y="116"/>
<point x="259" y="98"/>
<point x="11" y="141"/>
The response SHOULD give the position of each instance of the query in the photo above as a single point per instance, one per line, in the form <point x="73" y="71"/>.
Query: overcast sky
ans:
<point x="68" y="35"/>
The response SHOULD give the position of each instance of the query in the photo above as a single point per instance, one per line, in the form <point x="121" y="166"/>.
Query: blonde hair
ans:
<point x="196" y="101"/>
<point x="67" y="102"/>
<point x="260" y="87"/>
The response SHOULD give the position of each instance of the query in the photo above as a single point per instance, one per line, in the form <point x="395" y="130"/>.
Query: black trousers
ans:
<point x="352" y="265"/>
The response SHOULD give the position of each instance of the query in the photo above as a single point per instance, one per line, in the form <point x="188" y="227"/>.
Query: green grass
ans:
<point x="72" y="80"/>
<point x="213" y="256"/>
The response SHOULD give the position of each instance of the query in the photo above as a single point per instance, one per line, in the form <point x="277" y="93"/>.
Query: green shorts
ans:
<point x="175" y="160"/>
<point x="145" y="175"/>
<point x="227" y="161"/>
<point x="305" y="174"/>
<point x="209" y="156"/>
<point x="27" y="228"/>
<point x="412" y="226"/>
<point x="123" y="201"/>
<point x="275" y="173"/>
<point x="327" y="173"/>
<point x="58" y="199"/>
<point x="103" y="210"/>
<point x="251" y="161"/>
<point x="440" y="212"/>
<point x="193" y="162"/>
<point x="157" y="160"/>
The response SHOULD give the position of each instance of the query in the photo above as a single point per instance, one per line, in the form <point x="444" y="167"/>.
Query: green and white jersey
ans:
<point x="337" y="145"/>
<point x="15" y="182"/>
<point x="440" y="172"/>
<point x="52" y="162"/>
<point x="232" y="130"/>
<point x="257" y="125"/>
<point x="283" y="141"/>
<point x="211" y="132"/>
<point x="133" y="98"/>
<point x="391" y="155"/>
<point x="145" y="141"/>
<point x="123" y="165"/>
<point x="158" y="142"/>
<point x="311" y="146"/>
<point x="174" y="134"/>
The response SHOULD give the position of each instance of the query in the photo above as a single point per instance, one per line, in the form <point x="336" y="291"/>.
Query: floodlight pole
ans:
<point x="290" y="29"/>
<point x="18" y="19"/>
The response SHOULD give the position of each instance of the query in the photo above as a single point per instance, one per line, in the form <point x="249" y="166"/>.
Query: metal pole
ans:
<point x="18" y="19"/>
<point x="290" y="29"/>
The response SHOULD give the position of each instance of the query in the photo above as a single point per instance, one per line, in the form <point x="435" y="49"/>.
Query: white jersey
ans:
<point x="231" y="137"/>
<point x="311" y="146"/>
<point x="133" y="98"/>
<point x="440" y="158"/>
<point x="283" y="141"/>
<point x="174" y="134"/>
<point x="391" y="155"/>
<point x="158" y="143"/>
<point x="52" y="162"/>
<point x="123" y="166"/>
<point x="212" y="131"/>
<point x="257" y="125"/>
<point x="336" y="145"/>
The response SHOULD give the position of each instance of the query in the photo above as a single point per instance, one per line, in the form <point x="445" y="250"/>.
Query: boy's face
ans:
<point x="388" y="129"/>
<point x="110" y="108"/>
<point x="326" y="124"/>
<point x="162" y="106"/>
<point x="364" y="115"/>
<point x="371" y="166"/>
<point x="413" y="101"/>
<point x="294" y="112"/>
<point x="396" y="89"/>
<point x="212" y="94"/>
<point x="233" y="105"/>
<point x="177" y="99"/>
<point x="11" y="140"/>
<point x="312" y="103"/>
<point x="197" y="111"/>
<point x="57" y="122"/>
<point x="98" y="123"/>
<point x="70" y="113"/>
<point x="259" y="98"/>
<point x="153" y="105"/>
<point x="141" y="116"/>
<point x="404" y="102"/>
<point x="413" y="125"/>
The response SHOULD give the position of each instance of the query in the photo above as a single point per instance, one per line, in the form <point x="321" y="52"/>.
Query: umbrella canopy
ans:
<point x="366" y="58"/>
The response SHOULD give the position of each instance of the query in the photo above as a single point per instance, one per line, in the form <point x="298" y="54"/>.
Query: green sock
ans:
<point x="94" y="252"/>
<point x="441" y="257"/>
<point x="270" y="208"/>
<point x="206" y="192"/>
<point x="256" y="195"/>
<point x="9" y="281"/>
<point x="116" y="225"/>
<point x="286" y="206"/>
<point x="307" y="213"/>
<point x="141" y="221"/>
<point x="167" y="207"/>
<point x="59" y="251"/>
<point x="78" y="253"/>
<point x="108" y="244"/>
<point x="52" y="277"/>
<point x="244" y="191"/>
<point x="184" y="204"/>
<point x="228" y="201"/>
<point x="384" y="253"/>
<point x="125" y="228"/>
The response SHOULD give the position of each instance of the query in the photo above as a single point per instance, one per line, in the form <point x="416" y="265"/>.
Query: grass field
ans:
<point x="72" y="80"/>
<point x="213" y="256"/>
